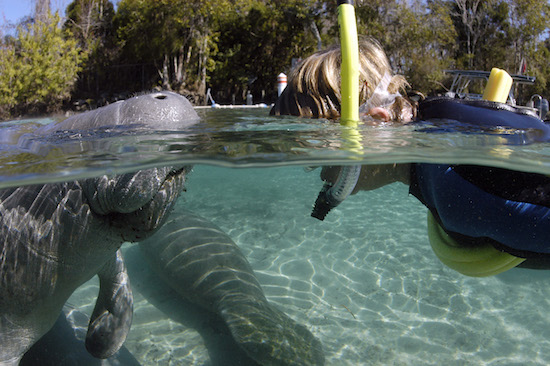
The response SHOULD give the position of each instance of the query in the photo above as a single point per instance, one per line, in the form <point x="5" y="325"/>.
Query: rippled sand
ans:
<point x="364" y="281"/>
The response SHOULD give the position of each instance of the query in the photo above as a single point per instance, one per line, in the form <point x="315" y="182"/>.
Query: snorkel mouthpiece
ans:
<point x="324" y="203"/>
<point x="332" y="195"/>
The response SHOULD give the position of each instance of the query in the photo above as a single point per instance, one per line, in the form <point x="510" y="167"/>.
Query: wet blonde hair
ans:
<point x="313" y="89"/>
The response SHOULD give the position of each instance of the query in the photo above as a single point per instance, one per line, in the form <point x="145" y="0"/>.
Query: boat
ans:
<point x="462" y="79"/>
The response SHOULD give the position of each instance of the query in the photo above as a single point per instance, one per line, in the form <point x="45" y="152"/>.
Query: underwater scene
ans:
<point x="361" y="287"/>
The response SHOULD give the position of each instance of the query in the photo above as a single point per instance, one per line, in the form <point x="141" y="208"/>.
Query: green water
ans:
<point x="364" y="281"/>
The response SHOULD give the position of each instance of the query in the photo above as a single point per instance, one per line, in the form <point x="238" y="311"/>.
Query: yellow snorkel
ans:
<point x="349" y="70"/>
<point x="333" y="194"/>
<point x="483" y="260"/>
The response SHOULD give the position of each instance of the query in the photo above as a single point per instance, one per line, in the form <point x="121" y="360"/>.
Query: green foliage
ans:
<point x="38" y="71"/>
<point x="232" y="46"/>
<point x="257" y="42"/>
<point x="236" y="46"/>
<point x="418" y="39"/>
<point x="173" y="35"/>
<point x="90" y="22"/>
<point x="149" y="29"/>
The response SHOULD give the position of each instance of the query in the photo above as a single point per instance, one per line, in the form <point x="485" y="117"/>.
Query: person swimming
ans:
<point x="313" y="88"/>
<point x="481" y="220"/>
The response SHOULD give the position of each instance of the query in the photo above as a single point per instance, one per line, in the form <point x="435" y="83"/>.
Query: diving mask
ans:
<point x="380" y="98"/>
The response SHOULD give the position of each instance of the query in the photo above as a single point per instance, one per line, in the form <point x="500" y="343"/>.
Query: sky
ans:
<point x="12" y="11"/>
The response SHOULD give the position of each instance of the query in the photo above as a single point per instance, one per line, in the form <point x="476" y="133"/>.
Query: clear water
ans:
<point x="364" y="281"/>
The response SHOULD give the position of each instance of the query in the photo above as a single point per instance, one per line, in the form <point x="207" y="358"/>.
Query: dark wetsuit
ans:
<point x="476" y="204"/>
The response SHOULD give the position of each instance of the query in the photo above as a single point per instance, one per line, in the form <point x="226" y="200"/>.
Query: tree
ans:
<point x="8" y="80"/>
<point x="494" y="51"/>
<point x="377" y="19"/>
<point x="469" y="16"/>
<point x="529" y="21"/>
<point x="417" y="36"/>
<point x="174" y="36"/>
<point x="236" y="46"/>
<point x="41" y="10"/>
<point x="38" y="71"/>
<point x="483" y="29"/>
<point x="423" y="45"/>
<point x="90" y="22"/>
<point x="256" y="41"/>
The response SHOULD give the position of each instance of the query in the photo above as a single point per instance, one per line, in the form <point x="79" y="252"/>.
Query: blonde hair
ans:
<point x="313" y="89"/>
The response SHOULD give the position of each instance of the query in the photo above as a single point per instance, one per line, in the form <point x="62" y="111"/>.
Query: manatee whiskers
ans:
<point x="203" y="264"/>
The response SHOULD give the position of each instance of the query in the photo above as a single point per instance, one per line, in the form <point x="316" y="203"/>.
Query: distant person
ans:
<point x="481" y="220"/>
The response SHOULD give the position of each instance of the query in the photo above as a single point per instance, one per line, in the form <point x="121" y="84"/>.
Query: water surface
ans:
<point x="252" y="138"/>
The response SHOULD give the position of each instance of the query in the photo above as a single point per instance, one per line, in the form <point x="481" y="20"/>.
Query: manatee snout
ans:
<point x="156" y="111"/>
<point x="161" y="111"/>
<point x="136" y="203"/>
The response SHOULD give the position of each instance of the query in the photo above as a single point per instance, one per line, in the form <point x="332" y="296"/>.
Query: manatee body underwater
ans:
<point x="204" y="266"/>
<point x="54" y="237"/>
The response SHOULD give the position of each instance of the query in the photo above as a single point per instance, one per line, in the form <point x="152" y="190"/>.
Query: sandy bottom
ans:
<point x="364" y="281"/>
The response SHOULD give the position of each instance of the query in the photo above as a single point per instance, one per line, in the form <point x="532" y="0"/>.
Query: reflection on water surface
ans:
<point x="252" y="138"/>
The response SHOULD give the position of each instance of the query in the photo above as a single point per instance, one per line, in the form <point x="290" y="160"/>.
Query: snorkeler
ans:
<point x="313" y="89"/>
<point x="481" y="220"/>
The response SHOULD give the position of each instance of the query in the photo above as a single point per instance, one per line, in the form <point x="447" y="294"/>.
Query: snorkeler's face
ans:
<point x="401" y="111"/>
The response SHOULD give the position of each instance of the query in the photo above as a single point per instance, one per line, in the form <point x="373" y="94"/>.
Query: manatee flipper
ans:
<point x="200" y="262"/>
<point x="112" y="316"/>
<point x="63" y="345"/>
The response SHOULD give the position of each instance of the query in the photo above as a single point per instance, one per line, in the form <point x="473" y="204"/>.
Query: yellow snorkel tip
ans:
<point x="497" y="90"/>
<point x="498" y="87"/>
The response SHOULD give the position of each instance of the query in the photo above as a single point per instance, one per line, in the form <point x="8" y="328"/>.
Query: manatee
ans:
<point x="203" y="265"/>
<point x="162" y="111"/>
<point x="56" y="236"/>
<point x="64" y="345"/>
<point x="220" y="349"/>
